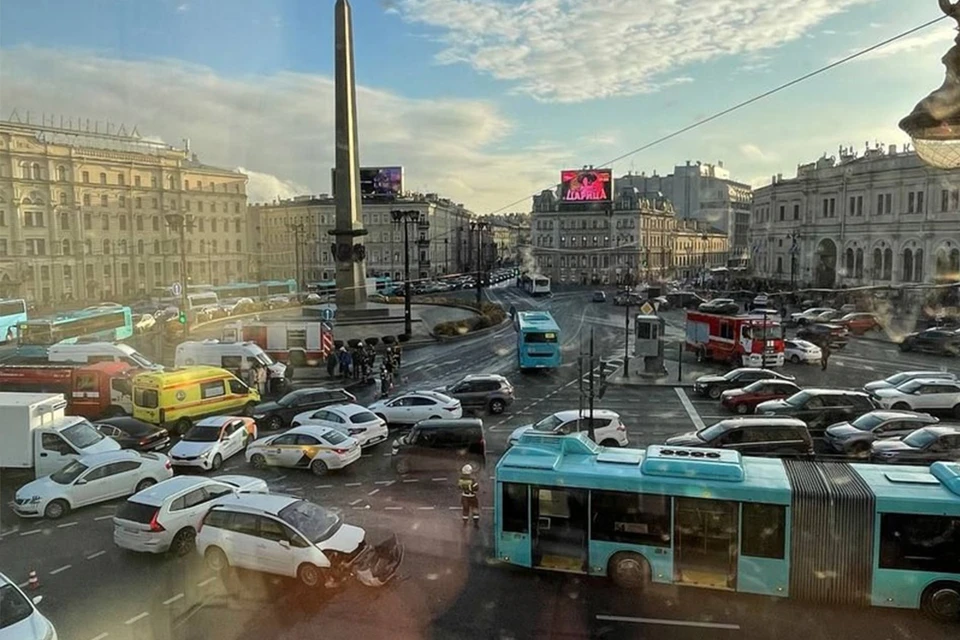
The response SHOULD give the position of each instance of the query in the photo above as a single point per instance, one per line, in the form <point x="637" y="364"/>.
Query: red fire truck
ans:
<point x="279" y="339"/>
<point x="742" y="340"/>
<point x="93" y="391"/>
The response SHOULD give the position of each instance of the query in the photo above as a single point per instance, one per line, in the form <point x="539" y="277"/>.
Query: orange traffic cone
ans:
<point x="33" y="582"/>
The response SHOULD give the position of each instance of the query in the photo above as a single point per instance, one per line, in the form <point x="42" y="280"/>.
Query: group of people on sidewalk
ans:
<point x="359" y="363"/>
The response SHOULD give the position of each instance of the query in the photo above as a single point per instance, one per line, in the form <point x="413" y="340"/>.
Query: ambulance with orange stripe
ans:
<point x="176" y="398"/>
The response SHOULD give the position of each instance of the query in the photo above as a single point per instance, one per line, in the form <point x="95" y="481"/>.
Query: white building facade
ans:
<point x="880" y="217"/>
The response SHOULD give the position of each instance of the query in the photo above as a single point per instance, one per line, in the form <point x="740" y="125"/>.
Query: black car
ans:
<point x="943" y="342"/>
<point x="723" y="306"/>
<point x="822" y="334"/>
<point x="923" y="446"/>
<point x="133" y="434"/>
<point x="759" y="436"/>
<point x="274" y="415"/>
<point x="714" y="385"/>
<point x="683" y="300"/>
<point x="820" y="408"/>
<point x="854" y="438"/>
<point x="440" y="445"/>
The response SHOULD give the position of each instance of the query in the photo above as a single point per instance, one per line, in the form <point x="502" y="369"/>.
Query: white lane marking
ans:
<point x="204" y="583"/>
<point x="385" y="483"/>
<point x="674" y="623"/>
<point x="170" y="601"/>
<point x="30" y="533"/>
<point x="61" y="569"/>
<point x="393" y="508"/>
<point x="324" y="486"/>
<point x="374" y="492"/>
<point x="67" y="524"/>
<point x="100" y="637"/>
<point x="353" y="484"/>
<point x="387" y="455"/>
<point x="438" y="479"/>
<point x="279" y="478"/>
<point x="137" y="618"/>
<point x="685" y="401"/>
<point x="294" y="488"/>
<point x="104" y="517"/>
<point x="453" y="508"/>
<point x="411" y="480"/>
<point x="95" y="555"/>
<point x="356" y="501"/>
<point x="24" y="585"/>
<point x="426" y="508"/>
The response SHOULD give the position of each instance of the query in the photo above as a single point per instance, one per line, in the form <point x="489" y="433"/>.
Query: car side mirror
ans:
<point x="80" y="482"/>
<point x="284" y="543"/>
<point x="36" y="600"/>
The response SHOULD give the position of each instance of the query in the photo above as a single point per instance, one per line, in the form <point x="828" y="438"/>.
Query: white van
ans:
<point x="232" y="356"/>
<point x="91" y="352"/>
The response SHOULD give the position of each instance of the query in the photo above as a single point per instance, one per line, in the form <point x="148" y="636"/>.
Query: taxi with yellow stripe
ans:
<point x="319" y="449"/>
<point x="177" y="398"/>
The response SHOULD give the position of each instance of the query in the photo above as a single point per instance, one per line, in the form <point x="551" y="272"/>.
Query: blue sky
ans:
<point x="481" y="100"/>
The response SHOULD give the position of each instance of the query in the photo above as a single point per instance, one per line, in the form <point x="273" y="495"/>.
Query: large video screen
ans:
<point x="586" y="185"/>
<point x="381" y="181"/>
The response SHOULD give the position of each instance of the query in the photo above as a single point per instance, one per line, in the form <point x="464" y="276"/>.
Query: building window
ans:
<point x="136" y="181"/>
<point x="86" y="177"/>
<point x="122" y="201"/>
<point x="918" y="265"/>
<point x="138" y="203"/>
<point x="140" y="247"/>
<point x="36" y="247"/>
<point x="153" y="181"/>
<point x="236" y="205"/>
<point x="796" y="212"/>
<point x="121" y="180"/>
<point x="156" y="223"/>
<point x="65" y="247"/>
<point x="213" y="224"/>
<point x="911" y="201"/>
<point x="63" y="198"/>
<point x="858" y="264"/>
<point x="87" y="222"/>
<point x="105" y="222"/>
<point x="61" y="173"/>
<point x="186" y="185"/>
<point x="783" y="212"/>
<point x="3" y="246"/>
<point x="156" y="203"/>
<point x="200" y="206"/>
<point x="236" y="226"/>
<point x="848" y="262"/>
<point x="103" y="201"/>
<point x="103" y="178"/>
<point x="156" y="247"/>
<point x="86" y="199"/>
<point x="944" y="200"/>
<point x="239" y="247"/>
<point x="200" y="224"/>
<point x="888" y="264"/>
<point x="122" y="221"/>
<point x="36" y="171"/>
<point x="170" y="182"/>
<point x="919" y="201"/>
<point x="186" y="205"/>
<point x="106" y="246"/>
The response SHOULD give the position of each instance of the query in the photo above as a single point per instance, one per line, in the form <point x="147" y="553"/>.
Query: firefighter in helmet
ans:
<point x="468" y="496"/>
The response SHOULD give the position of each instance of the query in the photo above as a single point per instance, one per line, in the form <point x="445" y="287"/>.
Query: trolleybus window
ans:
<point x="633" y="518"/>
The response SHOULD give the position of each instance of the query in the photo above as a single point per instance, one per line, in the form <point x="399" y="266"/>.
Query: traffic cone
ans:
<point x="33" y="582"/>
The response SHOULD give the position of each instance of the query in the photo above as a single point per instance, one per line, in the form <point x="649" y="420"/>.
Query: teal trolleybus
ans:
<point x="538" y="340"/>
<point x="830" y="532"/>
<point x="102" y="324"/>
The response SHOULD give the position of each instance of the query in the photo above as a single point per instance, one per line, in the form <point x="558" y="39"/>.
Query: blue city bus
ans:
<point x="538" y="340"/>
<point x="323" y="288"/>
<point x="13" y="311"/>
<point x="831" y="532"/>
<point x="237" y="290"/>
<point x="103" y="324"/>
<point x="270" y="288"/>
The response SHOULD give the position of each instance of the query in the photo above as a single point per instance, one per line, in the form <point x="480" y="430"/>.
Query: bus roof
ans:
<point x="536" y="320"/>
<point x="172" y="377"/>
<point x="701" y="473"/>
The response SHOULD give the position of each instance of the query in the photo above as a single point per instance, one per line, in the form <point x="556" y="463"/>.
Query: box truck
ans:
<point x="36" y="434"/>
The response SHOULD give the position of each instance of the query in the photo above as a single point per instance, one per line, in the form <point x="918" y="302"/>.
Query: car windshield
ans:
<point x="69" y="473"/>
<point x="313" y="521"/>
<point x="14" y="608"/>
<point x="711" y="432"/>
<point x="82" y="435"/>
<point x="868" y="422"/>
<point x="759" y="385"/>
<point x="201" y="433"/>
<point x="910" y="386"/>
<point x="289" y="399"/>
<point x="548" y="424"/>
<point x="798" y="399"/>
<point x="920" y="438"/>
<point x="335" y="437"/>
<point x="733" y="375"/>
<point x="363" y="417"/>
<point x="897" y="379"/>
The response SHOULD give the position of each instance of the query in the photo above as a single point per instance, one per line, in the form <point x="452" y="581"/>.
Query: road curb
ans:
<point x="639" y="384"/>
<point x="470" y="334"/>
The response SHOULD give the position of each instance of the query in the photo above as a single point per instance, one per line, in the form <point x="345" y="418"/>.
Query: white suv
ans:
<point x="608" y="430"/>
<point x="278" y="534"/>
<point x="166" y="516"/>
<point x="922" y="394"/>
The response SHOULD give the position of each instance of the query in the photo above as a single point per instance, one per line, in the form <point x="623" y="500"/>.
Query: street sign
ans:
<point x="326" y="313"/>
<point x="176" y="288"/>
<point x="646" y="308"/>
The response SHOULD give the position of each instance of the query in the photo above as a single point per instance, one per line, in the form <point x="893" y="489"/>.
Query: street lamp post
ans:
<point x="297" y="229"/>
<point x="405" y="218"/>
<point x="794" y="250"/>
<point x="180" y="222"/>
<point x="479" y="226"/>
<point x="446" y="255"/>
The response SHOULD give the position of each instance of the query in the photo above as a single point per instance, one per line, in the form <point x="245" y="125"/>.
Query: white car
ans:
<point x="803" y="317"/>
<point x="145" y="323"/>
<point x="19" y="617"/>
<point x="212" y="440"/>
<point x="349" y="419"/>
<point x="898" y="379"/>
<point x="412" y="407"/>
<point x="922" y="394"/>
<point x="166" y="516"/>
<point x="277" y="534"/>
<point x="801" y="351"/>
<point x="90" y="479"/>
<point x="312" y="447"/>
<point x="761" y="300"/>
<point x="608" y="429"/>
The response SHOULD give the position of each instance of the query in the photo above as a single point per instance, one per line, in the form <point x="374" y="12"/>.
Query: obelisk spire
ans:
<point x="348" y="249"/>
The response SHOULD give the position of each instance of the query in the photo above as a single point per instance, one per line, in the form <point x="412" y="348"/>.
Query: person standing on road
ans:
<point x="824" y="356"/>
<point x="332" y="363"/>
<point x="469" y="502"/>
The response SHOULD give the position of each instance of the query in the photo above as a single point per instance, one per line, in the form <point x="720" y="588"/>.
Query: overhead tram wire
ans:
<point x="748" y="102"/>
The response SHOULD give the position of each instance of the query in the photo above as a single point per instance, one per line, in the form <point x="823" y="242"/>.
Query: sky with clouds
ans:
<point x="482" y="101"/>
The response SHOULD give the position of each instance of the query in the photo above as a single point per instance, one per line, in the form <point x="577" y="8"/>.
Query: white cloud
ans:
<point x="281" y="126"/>
<point x="562" y="51"/>
<point x="938" y="37"/>
<point x="755" y="153"/>
<point x="183" y="8"/>
<point x="264" y="187"/>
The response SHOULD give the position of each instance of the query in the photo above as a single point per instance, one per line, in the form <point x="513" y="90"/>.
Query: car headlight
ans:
<point x="49" y="633"/>
<point x="259" y="416"/>
<point x="206" y="453"/>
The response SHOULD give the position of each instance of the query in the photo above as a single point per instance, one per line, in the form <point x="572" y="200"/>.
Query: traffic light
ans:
<point x="603" y="380"/>
<point x="182" y="318"/>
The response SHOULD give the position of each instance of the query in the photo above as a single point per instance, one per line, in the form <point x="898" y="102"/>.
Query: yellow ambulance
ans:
<point x="175" y="398"/>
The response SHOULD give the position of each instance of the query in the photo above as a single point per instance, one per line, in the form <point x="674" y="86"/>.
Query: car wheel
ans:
<point x="956" y="411"/>
<point x="310" y="576"/>
<point x="434" y="417"/>
<point x="497" y="406"/>
<point x="743" y="408"/>
<point x="258" y="461"/>
<point x="216" y="560"/>
<point x="318" y="468"/>
<point x="217" y="462"/>
<point x="629" y="570"/>
<point x="184" y="542"/>
<point x="860" y="450"/>
<point x="941" y="601"/>
<point x="146" y="483"/>
<point x="714" y="393"/>
<point x="56" y="510"/>
<point x="795" y="359"/>
<point x="274" y="423"/>
<point x="901" y="406"/>
<point x="182" y="426"/>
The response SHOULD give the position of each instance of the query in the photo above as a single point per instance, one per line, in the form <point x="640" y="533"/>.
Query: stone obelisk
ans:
<point x="348" y="248"/>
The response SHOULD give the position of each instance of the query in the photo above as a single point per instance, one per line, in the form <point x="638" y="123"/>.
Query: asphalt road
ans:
<point x="449" y="586"/>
